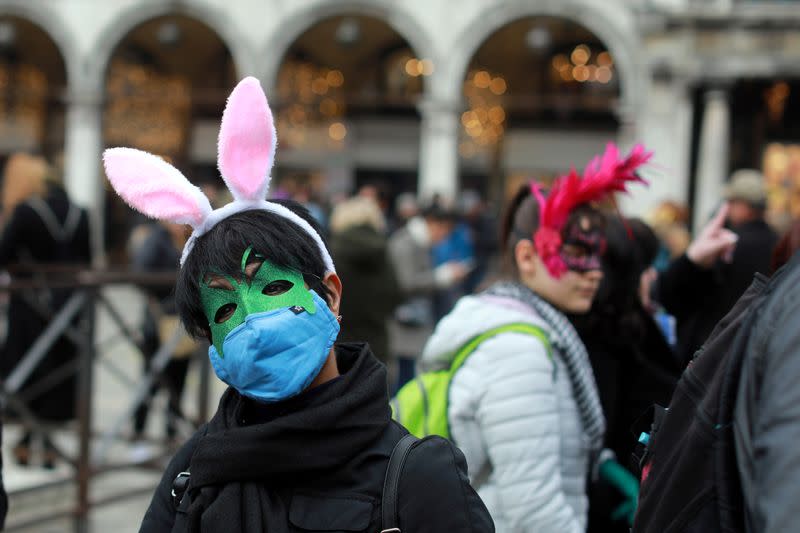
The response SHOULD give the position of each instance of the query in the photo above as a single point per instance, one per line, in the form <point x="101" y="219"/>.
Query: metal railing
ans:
<point x="75" y="320"/>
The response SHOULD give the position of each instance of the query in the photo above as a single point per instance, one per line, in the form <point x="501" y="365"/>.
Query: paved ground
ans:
<point x="111" y="397"/>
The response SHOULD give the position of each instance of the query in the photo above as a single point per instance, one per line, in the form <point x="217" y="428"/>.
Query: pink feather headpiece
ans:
<point x="246" y="152"/>
<point x="603" y="176"/>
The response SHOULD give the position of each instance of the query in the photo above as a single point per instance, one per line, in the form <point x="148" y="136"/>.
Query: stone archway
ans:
<point x="607" y="26"/>
<point x="50" y="24"/>
<point x="128" y="20"/>
<point x="166" y="84"/>
<point x="302" y="19"/>
<point x="345" y="100"/>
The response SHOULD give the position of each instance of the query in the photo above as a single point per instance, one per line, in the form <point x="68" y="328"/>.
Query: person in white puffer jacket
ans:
<point x="513" y="414"/>
<point x="526" y="411"/>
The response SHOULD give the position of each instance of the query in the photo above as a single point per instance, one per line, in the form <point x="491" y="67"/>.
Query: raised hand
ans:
<point x="713" y="242"/>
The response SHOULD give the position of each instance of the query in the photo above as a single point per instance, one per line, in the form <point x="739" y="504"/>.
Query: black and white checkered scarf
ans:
<point x="570" y="345"/>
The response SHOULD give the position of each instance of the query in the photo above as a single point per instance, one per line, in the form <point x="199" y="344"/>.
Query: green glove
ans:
<point x="621" y="479"/>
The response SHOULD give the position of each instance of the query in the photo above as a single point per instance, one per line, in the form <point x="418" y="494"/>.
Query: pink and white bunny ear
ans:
<point x="247" y="142"/>
<point x="154" y="187"/>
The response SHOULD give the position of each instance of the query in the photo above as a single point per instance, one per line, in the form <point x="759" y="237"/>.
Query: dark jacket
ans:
<point x="767" y="412"/>
<point x="362" y="261"/>
<point x="3" y="495"/>
<point x="59" y="237"/>
<point x="699" y="298"/>
<point x="316" y="462"/>
<point x="633" y="371"/>
<point x="157" y="253"/>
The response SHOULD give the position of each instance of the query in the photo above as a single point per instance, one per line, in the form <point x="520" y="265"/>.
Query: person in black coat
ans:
<point x="359" y="248"/>
<point x="303" y="436"/>
<point x="42" y="227"/>
<point x="160" y="252"/>
<point x="699" y="293"/>
<point x="277" y="457"/>
<point x="633" y="365"/>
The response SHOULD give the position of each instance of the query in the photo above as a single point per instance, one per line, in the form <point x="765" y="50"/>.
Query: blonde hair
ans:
<point x="357" y="211"/>
<point x="24" y="177"/>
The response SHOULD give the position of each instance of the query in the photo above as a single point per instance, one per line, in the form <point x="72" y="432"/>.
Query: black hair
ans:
<point x="631" y="247"/>
<point x="521" y="220"/>
<point x="439" y="213"/>
<point x="278" y="239"/>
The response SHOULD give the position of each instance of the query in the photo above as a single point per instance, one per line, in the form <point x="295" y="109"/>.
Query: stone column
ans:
<point x="630" y="204"/>
<point x="82" y="160"/>
<point x="712" y="163"/>
<point x="663" y="126"/>
<point x="438" y="149"/>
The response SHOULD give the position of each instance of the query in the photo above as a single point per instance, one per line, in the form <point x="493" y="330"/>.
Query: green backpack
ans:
<point x="421" y="405"/>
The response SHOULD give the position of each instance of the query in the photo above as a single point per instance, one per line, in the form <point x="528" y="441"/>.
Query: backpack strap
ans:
<point x="179" y="486"/>
<point x="391" y="484"/>
<point x="520" y="327"/>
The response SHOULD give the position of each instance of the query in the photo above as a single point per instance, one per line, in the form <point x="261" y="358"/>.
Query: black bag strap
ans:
<point x="391" y="484"/>
<point x="179" y="486"/>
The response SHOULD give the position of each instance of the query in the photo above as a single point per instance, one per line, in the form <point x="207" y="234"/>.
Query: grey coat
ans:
<point x="413" y="321"/>
<point x="767" y="413"/>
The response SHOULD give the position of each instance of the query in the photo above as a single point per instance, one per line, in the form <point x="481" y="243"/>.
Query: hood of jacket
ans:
<point x="472" y="316"/>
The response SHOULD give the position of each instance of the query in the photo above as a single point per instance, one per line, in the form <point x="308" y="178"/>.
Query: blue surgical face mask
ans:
<point x="276" y="354"/>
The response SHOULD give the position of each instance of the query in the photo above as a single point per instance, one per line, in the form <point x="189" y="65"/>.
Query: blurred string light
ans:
<point x="23" y="100"/>
<point x="147" y="109"/>
<point x="317" y="100"/>
<point x="403" y="73"/>
<point x="583" y="66"/>
<point x="316" y="96"/>
<point x="483" y="123"/>
<point x="418" y="67"/>
<point x="337" y="131"/>
<point x="775" y="98"/>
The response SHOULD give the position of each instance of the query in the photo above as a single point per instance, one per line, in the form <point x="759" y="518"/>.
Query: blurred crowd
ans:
<point x="421" y="277"/>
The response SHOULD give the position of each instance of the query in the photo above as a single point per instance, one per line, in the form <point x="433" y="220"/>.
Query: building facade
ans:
<point x="474" y="93"/>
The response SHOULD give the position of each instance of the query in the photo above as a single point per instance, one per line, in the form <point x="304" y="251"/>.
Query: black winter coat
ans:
<point x="315" y="462"/>
<point x="362" y="261"/>
<point x="699" y="298"/>
<point x="633" y="372"/>
<point x="28" y="238"/>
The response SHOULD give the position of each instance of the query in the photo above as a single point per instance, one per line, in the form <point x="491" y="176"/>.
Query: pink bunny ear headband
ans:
<point x="246" y="152"/>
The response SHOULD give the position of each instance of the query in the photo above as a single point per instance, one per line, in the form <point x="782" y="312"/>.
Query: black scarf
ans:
<point x="233" y="465"/>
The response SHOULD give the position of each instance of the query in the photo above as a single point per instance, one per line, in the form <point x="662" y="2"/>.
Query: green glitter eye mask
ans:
<point x="271" y="287"/>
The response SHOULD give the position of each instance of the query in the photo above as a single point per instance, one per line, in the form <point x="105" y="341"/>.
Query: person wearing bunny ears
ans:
<point x="302" y="437"/>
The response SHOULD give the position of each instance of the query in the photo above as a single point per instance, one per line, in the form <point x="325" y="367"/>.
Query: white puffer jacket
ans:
<point x="513" y="414"/>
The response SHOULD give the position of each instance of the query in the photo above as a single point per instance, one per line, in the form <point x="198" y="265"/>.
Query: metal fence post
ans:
<point x="84" y="411"/>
